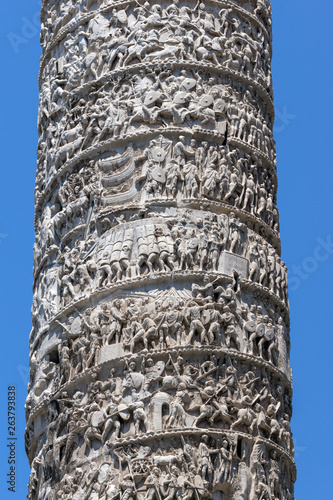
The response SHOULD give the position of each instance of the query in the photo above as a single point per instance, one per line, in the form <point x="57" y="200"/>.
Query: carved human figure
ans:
<point x="177" y="412"/>
<point x="223" y="474"/>
<point x="152" y="483"/>
<point x="205" y="465"/>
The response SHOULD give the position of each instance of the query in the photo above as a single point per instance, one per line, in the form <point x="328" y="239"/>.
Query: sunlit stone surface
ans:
<point x="160" y="340"/>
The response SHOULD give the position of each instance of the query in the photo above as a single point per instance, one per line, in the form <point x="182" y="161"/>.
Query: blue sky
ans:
<point x="302" y="71"/>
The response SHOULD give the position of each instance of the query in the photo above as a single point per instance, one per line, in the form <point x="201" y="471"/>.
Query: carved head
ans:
<point x="225" y="443"/>
<point x="180" y="360"/>
<point x="150" y="362"/>
<point x="175" y="470"/>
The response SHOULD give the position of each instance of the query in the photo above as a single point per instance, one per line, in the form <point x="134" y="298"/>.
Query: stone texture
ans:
<point x="160" y="340"/>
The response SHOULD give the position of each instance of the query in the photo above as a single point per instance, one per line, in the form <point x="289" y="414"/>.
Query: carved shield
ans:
<point x="269" y="334"/>
<point x="159" y="368"/>
<point x="151" y="97"/>
<point x="206" y="315"/>
<point x="124" y="412"/>
<point x="91" y="266"/>
<point x="250" y="326"/>
<point x="150" y="230"/>
<point x="164" y="37"/>
<point x="158" y="175"/>
<point x="97" y="418"/>
<point x="180" y="481"/>
<point x="261" y="330"/>
<point x="158" y="154"/>
<point x="188" y="84"/>
<point x="195" y="403"/>
<point x="180" y="97"/>
<point x="129" y="237"/>
<point x="116" y="251"/>
<point x="140" y="232"/>
<point x="222" y="127"/>
<point x="76" y="326"/>
<point x="198" y="482"/>
<point x="219" y="106"/>
<point x="117" y="246"/>
<point x="137" y="380"/>
<point x="152" y="244"/>
<point x="122" y="16"/>
<point x="163" y="244"/>
<point x="142" y="241"/>
<point x="206" y="100"/>
<point x="60" y="65"/>
<point x="90" y="59"/>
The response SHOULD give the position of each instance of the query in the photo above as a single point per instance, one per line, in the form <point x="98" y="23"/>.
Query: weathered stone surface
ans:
<point x="160" y="340"/>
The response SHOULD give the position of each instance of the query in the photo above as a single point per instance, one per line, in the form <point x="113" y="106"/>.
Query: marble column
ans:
<point x="160" y="344"/>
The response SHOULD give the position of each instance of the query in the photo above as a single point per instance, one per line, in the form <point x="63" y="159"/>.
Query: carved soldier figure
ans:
<point x="173" y="178"/>
<point x="64" y="354"/>
<point x="189" y="484"/>
<point x="143" y="332"/>
<point x="117" y="320"/>
<point x="191" y="180"/>
<point x="249" y="193"/>
<point x="139" y="417"/>
<point x="170" y="484"/>
<point x="111" y="421"/>
<point x="274" y="475"/>
<point x="254" y="261"/>
<point x="245" y="415"/>
<point x="236" y="229"/>
<point x="228" y="319"/>
<point x="205" y="466"/>
<point x="223" y="474"/>
<point x="128" y="489"/>
<point x="153" y="485"/>
<point x="177" y="412"/>
<point x="193" y="319"/>
<point x="170" y="325"/>
<point x="104" y="270"/>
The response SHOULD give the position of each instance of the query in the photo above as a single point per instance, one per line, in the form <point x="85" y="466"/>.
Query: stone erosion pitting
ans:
<point x="160" y="340"/>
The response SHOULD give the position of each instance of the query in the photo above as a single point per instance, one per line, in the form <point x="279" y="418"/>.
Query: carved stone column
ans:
<point x="160" y="340"/>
